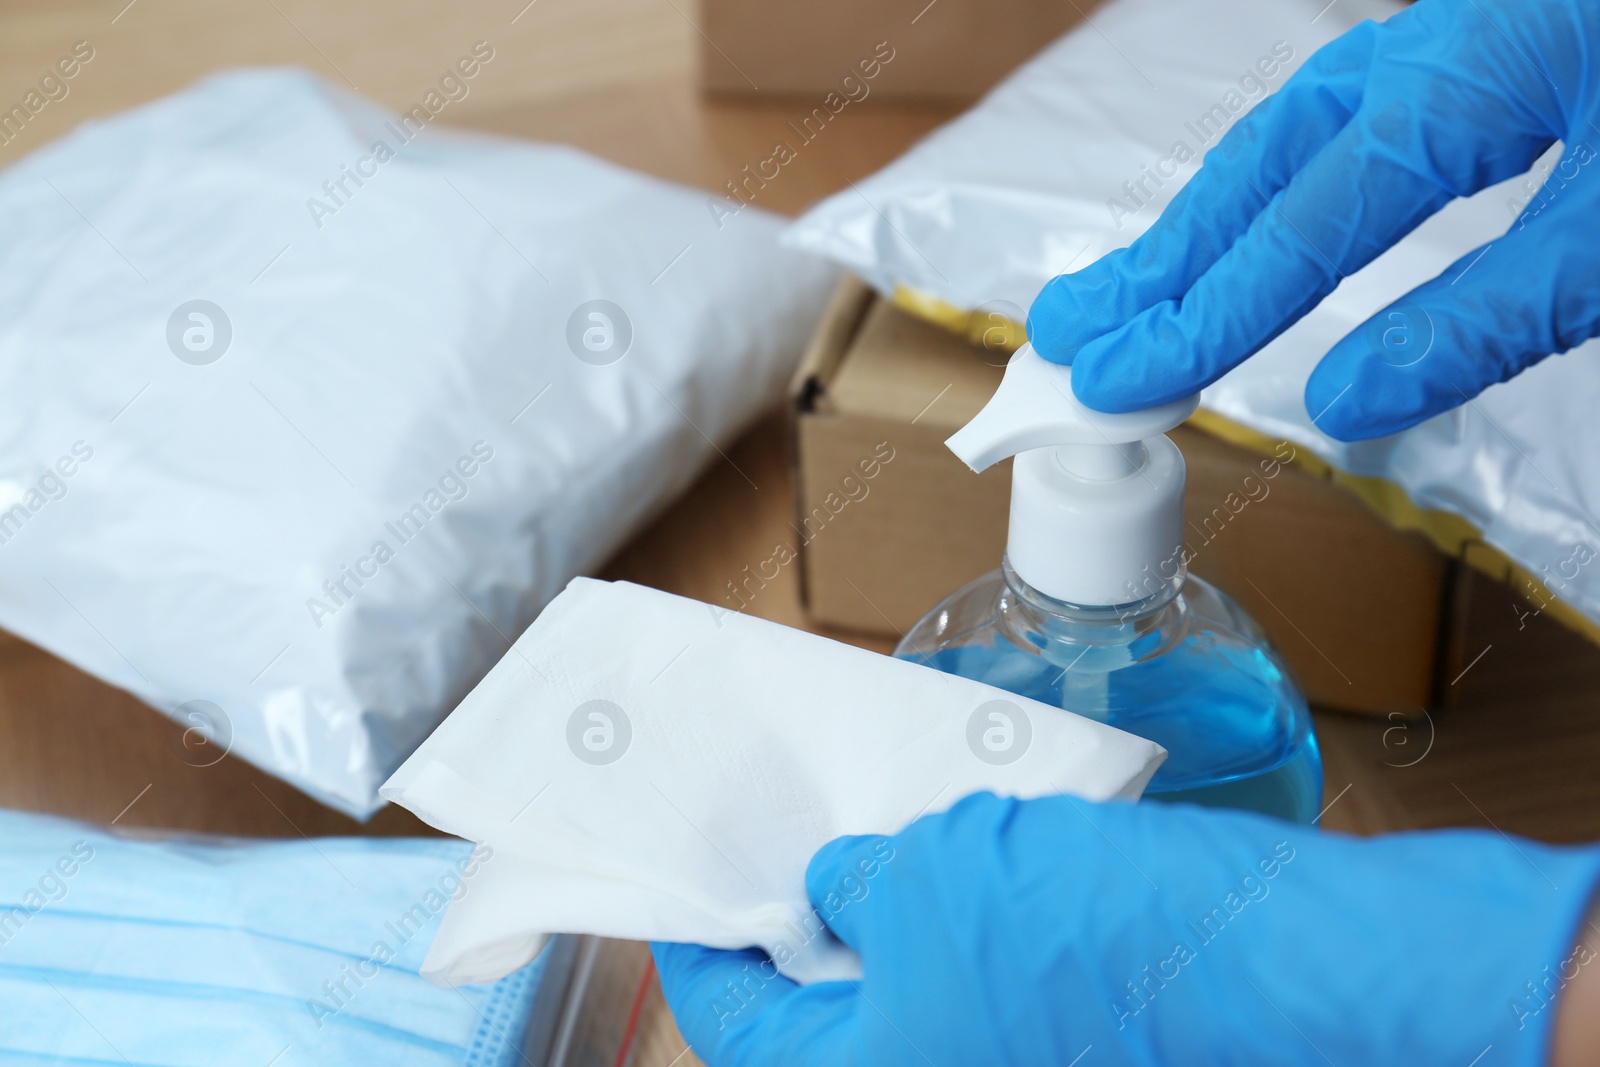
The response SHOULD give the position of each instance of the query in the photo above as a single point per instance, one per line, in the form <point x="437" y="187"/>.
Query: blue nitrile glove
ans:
<point x="1027" y="933"/>
<point x="1380" y="129"/>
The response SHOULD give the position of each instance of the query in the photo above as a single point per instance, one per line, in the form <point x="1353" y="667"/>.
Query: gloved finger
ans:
<point x="734" y="1008"/>
<point x="1341" y="211"/>
<point x="1250" y="164"/>
<point x="841" y="879"/>
<point x="1492" y="314"/>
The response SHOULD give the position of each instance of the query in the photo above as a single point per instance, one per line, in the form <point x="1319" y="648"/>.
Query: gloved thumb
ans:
<point x="843" y="881"/>
<point x="734" y="1008"/>
<point x="1492" y="314"/>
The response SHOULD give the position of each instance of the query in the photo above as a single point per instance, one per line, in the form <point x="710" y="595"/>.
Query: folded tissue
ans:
<point x="646" y="766"/>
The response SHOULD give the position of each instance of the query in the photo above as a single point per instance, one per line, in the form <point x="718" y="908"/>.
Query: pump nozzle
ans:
<point x="1096" y="498"/>
<point x="1035" y="408"/>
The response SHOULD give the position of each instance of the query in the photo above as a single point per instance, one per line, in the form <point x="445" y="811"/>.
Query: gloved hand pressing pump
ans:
<point x="1379" y="130"/>
<point x="1012" y="933"/>
<point x="1056" y="931"/>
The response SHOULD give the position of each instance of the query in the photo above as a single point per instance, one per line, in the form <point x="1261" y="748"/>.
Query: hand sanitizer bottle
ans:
<point x="1092" y="609"/>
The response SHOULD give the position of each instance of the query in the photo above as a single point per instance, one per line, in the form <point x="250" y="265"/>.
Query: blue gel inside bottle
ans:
<point x="1187" y="669"/>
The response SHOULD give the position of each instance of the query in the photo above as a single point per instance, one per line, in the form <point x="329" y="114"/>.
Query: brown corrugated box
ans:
<point x="948" y="49"/>
<point x="888" y="521"/>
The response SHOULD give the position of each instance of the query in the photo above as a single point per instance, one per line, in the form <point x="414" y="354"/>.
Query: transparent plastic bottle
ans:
<point x="1092" y="609"/>
<point x="1184" y="667"/>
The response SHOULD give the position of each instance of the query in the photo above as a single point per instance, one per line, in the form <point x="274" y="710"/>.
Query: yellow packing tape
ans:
<point x="1449" y="532"/>
<point x="987" y="329"/>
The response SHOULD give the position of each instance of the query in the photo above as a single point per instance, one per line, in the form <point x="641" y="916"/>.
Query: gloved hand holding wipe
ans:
<point x="1379" y="130"/>
<point x="1010" y="933"/>
<point x="1057" y="931"/>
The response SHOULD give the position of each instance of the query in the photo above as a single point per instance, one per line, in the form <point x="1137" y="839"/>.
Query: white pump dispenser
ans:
<point x="1093" y="611"/>
<point x="1096" y="498"/>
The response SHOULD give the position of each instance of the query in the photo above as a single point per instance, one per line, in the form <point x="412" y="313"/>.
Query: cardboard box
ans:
<point x="889" y="521"/>
<point x="948" y="49"/>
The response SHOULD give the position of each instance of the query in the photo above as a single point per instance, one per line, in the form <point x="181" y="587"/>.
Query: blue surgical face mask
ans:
<point x="188" y="951"/>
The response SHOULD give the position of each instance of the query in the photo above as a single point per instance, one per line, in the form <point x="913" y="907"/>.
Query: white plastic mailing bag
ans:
<point x="310" y="409"/>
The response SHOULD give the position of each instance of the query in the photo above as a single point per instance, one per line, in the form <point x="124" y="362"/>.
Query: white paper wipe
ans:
<point x="650" y="767"/>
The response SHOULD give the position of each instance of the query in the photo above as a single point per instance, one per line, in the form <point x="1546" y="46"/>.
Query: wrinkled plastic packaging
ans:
<point x="1100" y="131"/>
<point x="195" y="951"/>
<point x="293" y="455"/>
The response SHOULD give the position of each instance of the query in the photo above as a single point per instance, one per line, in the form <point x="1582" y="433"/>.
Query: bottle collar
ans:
<point x="1143" y="627"/>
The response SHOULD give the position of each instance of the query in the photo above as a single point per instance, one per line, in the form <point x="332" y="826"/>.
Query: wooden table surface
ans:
<point x="616" y="77"/>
